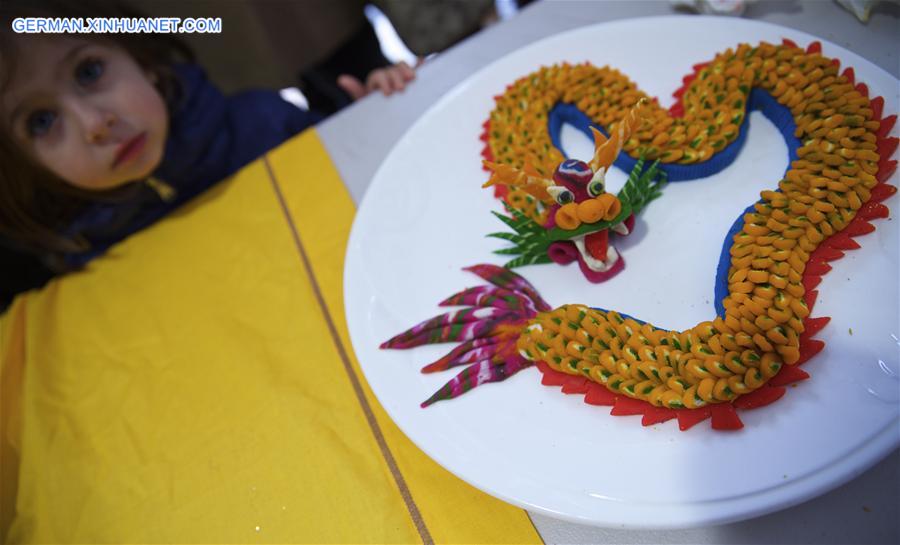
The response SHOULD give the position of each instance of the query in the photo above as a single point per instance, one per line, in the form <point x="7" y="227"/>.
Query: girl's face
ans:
<point x="85" y="110"/>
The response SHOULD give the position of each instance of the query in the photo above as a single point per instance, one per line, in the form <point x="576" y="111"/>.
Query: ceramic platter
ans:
<point x="425" y="217"/>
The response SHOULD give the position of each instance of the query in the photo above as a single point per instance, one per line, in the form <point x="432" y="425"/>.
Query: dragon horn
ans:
<point x="502" y="174"/>
<point x="527" y="179"/>
<point x="599" y="137"/>
<point x="606" y="151"/>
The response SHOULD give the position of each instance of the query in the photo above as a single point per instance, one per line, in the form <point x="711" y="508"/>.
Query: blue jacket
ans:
<point x="210" y="137"/>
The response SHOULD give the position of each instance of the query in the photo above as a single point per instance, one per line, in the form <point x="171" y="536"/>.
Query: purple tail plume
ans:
<point x="488" y="330"/>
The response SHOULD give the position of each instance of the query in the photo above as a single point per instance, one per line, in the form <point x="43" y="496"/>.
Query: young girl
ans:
<point x="101" y="135"/>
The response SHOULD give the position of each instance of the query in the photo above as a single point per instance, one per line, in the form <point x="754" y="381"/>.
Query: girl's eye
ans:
<point x="595" y="188"/>
<point x="40" y="122"/>
<point x="88" y="71"/>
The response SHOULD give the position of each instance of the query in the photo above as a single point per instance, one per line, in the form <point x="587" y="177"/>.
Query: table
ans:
<point x="361" y="136"/>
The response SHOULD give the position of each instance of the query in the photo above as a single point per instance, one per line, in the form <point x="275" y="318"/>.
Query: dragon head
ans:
<point x="580" y="211"/>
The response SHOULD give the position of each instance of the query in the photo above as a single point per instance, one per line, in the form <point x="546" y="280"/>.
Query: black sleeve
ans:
<point x="20" y="272"/>
<point x="358" y="56"/>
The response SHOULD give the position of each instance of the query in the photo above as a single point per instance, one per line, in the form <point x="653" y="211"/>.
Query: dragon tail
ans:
<point x="488" y="330"/>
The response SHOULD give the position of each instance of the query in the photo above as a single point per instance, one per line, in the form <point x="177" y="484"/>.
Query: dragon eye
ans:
<point x="560" y="194"/>
<point x="597" y="185"/>
<point x="595" y="188"/>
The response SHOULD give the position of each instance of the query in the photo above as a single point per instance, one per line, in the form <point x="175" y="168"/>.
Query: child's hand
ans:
<point x="387" y="80"/>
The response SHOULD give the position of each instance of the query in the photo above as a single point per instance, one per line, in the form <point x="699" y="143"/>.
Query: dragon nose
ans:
<point x="567" y="216"/>
<point x="572" y="215"/>
<point x="603" y="207"/>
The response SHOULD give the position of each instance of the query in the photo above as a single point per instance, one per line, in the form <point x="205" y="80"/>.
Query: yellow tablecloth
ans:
<point x="197" y="384"/>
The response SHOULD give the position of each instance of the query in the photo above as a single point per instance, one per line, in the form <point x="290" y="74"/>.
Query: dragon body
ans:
<point x="772" y="259"/>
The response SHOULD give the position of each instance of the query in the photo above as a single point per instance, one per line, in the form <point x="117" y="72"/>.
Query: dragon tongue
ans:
<point x="597" y="244"/>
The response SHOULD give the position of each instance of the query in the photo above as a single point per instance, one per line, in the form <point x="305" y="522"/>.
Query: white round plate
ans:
<point x="425" y="217"/>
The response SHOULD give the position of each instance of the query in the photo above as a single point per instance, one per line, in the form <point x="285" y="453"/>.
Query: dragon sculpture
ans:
<point x="772" y="259"/>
